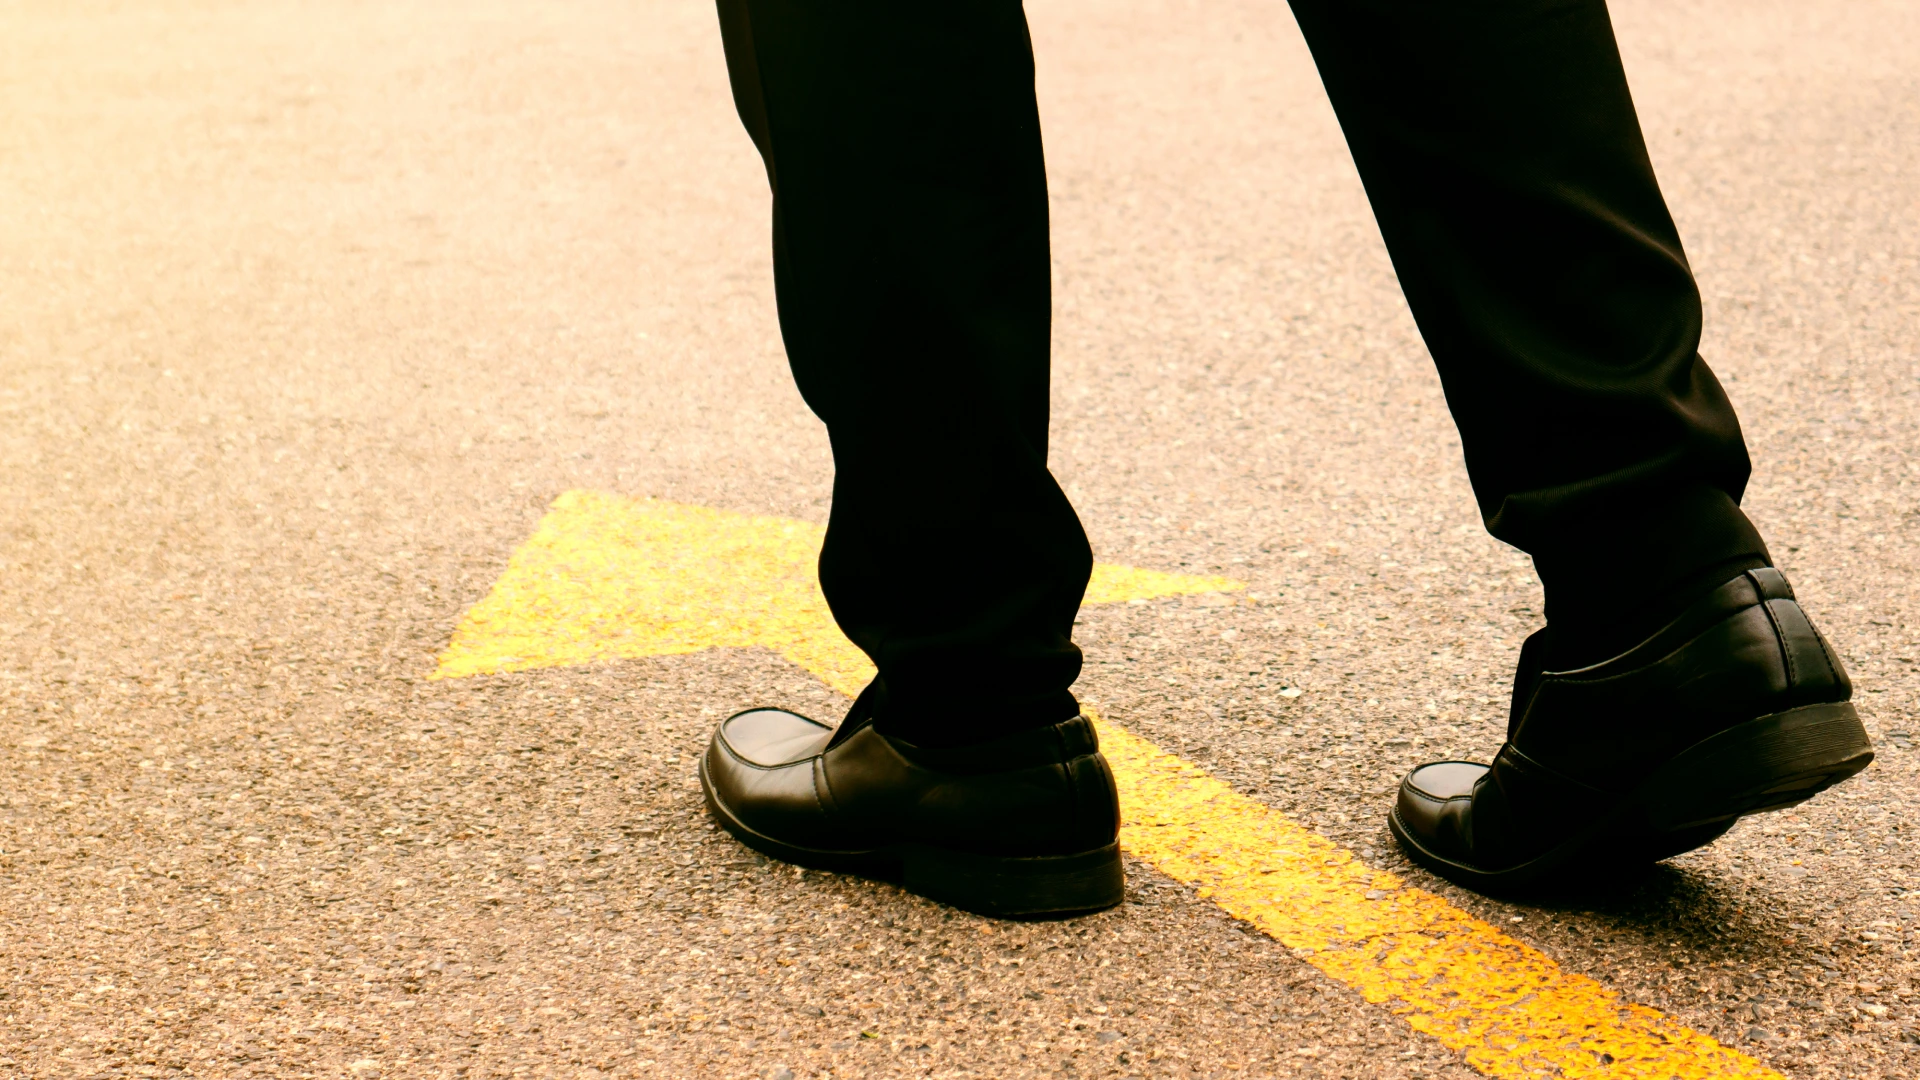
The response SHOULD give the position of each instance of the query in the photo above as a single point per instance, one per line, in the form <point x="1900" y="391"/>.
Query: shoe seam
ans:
<point x="1437" y="800"/>
<point x="1760" y="598"/>
<point x="1066" y="769"/>
<point x="1833" y="667"/>
<point x="1572" y="675"/>
<point x="820" y="777"/>
<point x="752" y="764"/>
<point x="736" y="756"/>
<point x="1780" y="639"/>
<point x="1568" y="677"/>
<point x="1408" y="784"/>
<point x="1534" y="763"/>
<point x="1110" y="816"/>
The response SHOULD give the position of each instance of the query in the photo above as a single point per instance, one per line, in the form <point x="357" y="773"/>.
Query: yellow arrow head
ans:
<point x="605" y="577"/>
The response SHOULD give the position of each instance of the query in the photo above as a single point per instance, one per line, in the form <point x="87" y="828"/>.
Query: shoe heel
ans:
<point x="1766" y="764"/>
<point x="1014" y="888"/>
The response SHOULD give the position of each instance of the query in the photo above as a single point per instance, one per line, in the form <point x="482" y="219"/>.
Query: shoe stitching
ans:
<point x="1780" y="638"/>
<point x="1530" y="762"/>
<point x="1470" y="831"/>
<point x="1111" y="821"/>
<point x="1410" y="785"/>
<point x="736" y="755"/>
<point x="1760" y="598"/>
<point x="819" y="771"/>
<point x="1569" y="677"/>
<point x="1833" y="667"/>
<point x="1066" y="769"/>
<point x="742" y="759"/>
<point x="1436" y="800"/>
<point x="1754" y="576"/>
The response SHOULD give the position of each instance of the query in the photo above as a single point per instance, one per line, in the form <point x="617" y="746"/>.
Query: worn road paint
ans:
<point x="1505" y="1005"/>
<point x="605" y="577"/>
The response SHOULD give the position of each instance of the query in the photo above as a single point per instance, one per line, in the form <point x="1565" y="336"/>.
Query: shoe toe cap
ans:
<point x="771" y="738"/>
<point x="1444" y="779"/>
<point x="759" y="775"/>
<point x="1434" y="806"/>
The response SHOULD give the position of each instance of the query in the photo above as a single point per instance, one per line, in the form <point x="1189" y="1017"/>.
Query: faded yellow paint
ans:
<point x="605" y="577"/>
<point x="1505" y="1005"/>
<point x="1113" y="584"/>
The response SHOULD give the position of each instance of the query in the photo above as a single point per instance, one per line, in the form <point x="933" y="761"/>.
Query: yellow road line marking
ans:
<point x="605" y="577"/>
<point x="1505" y="1005"/>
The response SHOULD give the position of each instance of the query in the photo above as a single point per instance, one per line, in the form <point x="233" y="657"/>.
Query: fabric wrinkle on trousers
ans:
<point x="1501" y="152"/>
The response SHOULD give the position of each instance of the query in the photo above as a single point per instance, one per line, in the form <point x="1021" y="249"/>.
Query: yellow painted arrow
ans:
<point x="605" y="577"/>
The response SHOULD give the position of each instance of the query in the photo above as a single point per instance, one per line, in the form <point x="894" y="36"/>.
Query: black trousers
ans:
<point x="1506" y="168"/>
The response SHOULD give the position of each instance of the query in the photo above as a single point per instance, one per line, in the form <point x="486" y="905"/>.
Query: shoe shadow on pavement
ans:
<point x="1668" y="906"/>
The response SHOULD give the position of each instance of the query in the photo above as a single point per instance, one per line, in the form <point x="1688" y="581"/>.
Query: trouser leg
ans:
<point x="902" y="143"/>
<point x="1504" y="161"/>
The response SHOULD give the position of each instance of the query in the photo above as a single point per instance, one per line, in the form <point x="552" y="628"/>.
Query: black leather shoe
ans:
<point x="1023" y="826"/>
<point x="1736" y="707"/>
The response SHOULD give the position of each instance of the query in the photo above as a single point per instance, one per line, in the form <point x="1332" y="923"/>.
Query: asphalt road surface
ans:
<point x="309" y="312"/>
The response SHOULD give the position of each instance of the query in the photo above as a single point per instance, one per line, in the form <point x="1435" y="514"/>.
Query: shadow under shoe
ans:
<point x="1024" y="826"/>
<point x="1736" y="707"/>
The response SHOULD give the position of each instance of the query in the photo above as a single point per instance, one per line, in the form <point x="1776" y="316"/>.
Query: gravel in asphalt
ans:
<point x="308" y="312"/>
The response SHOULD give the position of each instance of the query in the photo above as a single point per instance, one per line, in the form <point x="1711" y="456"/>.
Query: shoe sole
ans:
<point x="1001" y="886"/>
<point x="1762" y="765"/>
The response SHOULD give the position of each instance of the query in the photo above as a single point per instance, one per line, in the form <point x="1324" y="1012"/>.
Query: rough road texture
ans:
<point x="307" y="310"/>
